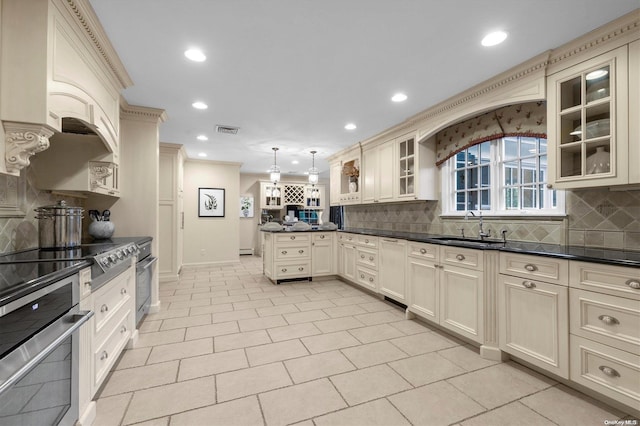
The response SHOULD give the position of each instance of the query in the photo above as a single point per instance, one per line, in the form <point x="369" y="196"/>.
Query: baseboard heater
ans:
<point x="246" y="252"/>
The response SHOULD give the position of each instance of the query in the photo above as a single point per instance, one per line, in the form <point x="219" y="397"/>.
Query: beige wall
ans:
<point x="210" y="240"/>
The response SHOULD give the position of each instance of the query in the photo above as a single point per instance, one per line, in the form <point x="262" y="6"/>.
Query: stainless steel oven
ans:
<point x="39" y="352"/>
<point x="144" y="275"/>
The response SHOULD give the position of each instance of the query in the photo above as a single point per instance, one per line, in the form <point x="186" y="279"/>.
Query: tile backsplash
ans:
<point x="18" y="198"/>
<point x="595" y="218"/>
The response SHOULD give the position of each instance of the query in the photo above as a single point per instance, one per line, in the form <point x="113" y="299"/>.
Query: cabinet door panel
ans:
<point x="422" y="286"/>
<point x="386" y="175"/>
<point x="461" y="302"/>
<point x="391" y="269"/>
<point x="534" y="322"/>
<point x="321" y="258"/>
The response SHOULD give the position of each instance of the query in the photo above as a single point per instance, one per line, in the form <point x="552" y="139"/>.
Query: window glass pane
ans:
<point x="485" y="176"/>
<point x="472" y="200"/>
<point x="528" y="174"/>
<point x="472" y="155"/>
<point x="485" y="152"/>
<point x="543" y="146"/>
<point x="511" y="173"/>
<point x="460" y="201"/>
<point x="485" y="204"/>
<point x="528" y="146"/>
<point x="510" y="148"/>
<point x="528" y="197"/>
<point x="460" y="163"/>
<point x="472" y="178"/>
<point x="410" y="143"/>
<point x="541" y="196"/>
<point x="460" y="179"/>
<point x="511" y="198"/>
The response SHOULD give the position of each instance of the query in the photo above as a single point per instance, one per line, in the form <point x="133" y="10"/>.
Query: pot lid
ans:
<point x="60" y="206"/>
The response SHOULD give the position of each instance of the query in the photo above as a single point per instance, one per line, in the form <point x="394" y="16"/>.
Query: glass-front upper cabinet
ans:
<point x="587" y="112"/>
<point x="271" y="196"/>
<point x="406" y="169"/>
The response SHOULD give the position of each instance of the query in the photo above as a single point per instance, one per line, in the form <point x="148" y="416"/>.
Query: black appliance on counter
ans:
<point x="39" y="328"/>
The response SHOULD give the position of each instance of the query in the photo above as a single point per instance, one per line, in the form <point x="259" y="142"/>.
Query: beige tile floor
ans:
<point x="231" y="348"/>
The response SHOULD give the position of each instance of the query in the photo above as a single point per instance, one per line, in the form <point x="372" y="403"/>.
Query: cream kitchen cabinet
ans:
<point x="271" y="196"/>
<point x="534" y="314"/>
<point x="605" y="330"/>
<point x="322" y="253"/>
<point x="347" y="260"/>
<point x="378" y="177"/>
<point x="422" y="280"/>
<point x="171" y="210"/>
<point x="346" y="177"/>
<point x="588" y="111"/>
<point x="314" y="197"/>
<point x="392" y="268"/>
<point x="71" y="71"/>
<point x="287" y="255"/>
<point x="416" y="172"/>
<point x="358" y="259"/>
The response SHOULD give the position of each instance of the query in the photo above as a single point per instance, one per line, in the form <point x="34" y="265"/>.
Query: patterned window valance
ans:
<point x="529" y="119"/>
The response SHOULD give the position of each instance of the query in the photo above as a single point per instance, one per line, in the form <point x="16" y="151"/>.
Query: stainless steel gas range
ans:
<point x="39" y="323"/>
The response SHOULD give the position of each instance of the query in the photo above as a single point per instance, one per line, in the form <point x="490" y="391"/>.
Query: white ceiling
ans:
<point x="292" y="73"/>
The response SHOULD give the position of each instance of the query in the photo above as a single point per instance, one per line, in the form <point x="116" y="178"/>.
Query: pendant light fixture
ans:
<point x="274" y="171"/>
<point x="313" y="171"/>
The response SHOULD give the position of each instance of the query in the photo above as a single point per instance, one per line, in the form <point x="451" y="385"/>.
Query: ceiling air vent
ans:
<point x="230" y="130"/>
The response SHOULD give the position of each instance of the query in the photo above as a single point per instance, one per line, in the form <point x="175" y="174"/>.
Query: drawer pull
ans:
<point x="123" y="291"/>
<point x="104" y="355"/>
<point x="104" y="308"/>
<point x="300" y="251"/>
<point x="362" y="276"/>
<point x="362" y="256"/>
<point x="634" y="284"/>
<point x="531" y="268"/>
<point x="283" y="252"/>
<point x="609" y="320"/>
<point x="611" y="372"/>
<point x="284" y="269"/>
<point x="529" y="284"/>
<point x="292" y="237"/>
<point x="460" y="257"/>
<point x="301" y="269"/>
<point x="370" y="279"/>
<point x="322" y="237"/>
<point x="350" y="238"/>
<point x="423" y="251"/>
<point x="371" y="258"/>
<point x="123" y="329"/>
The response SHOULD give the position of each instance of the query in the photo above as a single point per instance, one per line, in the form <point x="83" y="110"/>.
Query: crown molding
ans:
<point x="140" y="113"/>
<point x="86" y="18"/>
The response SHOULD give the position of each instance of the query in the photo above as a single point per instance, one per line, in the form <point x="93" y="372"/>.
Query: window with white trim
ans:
<point x="505" y="176"/>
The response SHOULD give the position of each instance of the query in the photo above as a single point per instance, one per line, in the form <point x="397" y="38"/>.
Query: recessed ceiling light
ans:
<point x="202" y="154"/>
<point x="350" y="126"/>
<point x="202" y="138"/>
<point x="494" y="38"/>
<point x="199" y="105"/>
<point x="196" y="55"/>
<point x="399" y="97"/>
<point x="594" y="75"/>
<point x="295" y="162"/>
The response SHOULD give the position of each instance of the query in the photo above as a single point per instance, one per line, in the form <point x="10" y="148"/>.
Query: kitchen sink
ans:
<point x="468" y="241"/>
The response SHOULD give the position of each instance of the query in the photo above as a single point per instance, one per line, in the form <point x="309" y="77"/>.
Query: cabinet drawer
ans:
<point x="109" y="299"/>
<point x="610" y="371"/>
<point x="322" y="236"/>
<point x="367" y="278"/>
<point x="464" y="257"/>
<point x="367" y="241"/>
<point x="615" y="280"/>
<point x="292" y="270"/>
<point x="292" y="252"/>
<point x="368" y="258"/>
<point x="346" y="237"/>
<point x="423" y="251"/>
<point x="291" y="237"/>
<point x="555" y="271"/>
<point x="606" y="319"/>
<point x="106" y="354"/>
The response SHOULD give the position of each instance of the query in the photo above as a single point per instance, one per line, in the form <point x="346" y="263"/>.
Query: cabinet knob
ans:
<point x="104" y="355"/>
<point x="300" y="251"/>
<point x="634" y="284"/>
<point x="529" y="284"/>
<point x="284" y="269"/>
<point x="370" y="279"/>
<point x="423" y="251"/>
<point x="460" y="257"/>
<point x="283" y="252"/>
<point x="123" y="329"/>
<point x="322" y="237"/>
<point x="371" y="258"/>
<point x="362" y="256"/>
<point x="350" y="238"/>
<point x="531" y="268"/>
<point x="366" y="241"/>
<point x="123" y="291"/>
<point x="611" y="372"/>
<point x="301" y="269"/>
<point x="362" y="276"/>
<point x="293" y="237"/>
<point x="609" y="320"/>
<point x="104" y="308"/>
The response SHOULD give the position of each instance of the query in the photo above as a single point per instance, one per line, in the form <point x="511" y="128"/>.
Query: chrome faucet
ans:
<point x="481" y="233"/>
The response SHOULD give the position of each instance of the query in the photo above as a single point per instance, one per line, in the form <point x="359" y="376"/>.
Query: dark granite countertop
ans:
<point x="588" y="254"/>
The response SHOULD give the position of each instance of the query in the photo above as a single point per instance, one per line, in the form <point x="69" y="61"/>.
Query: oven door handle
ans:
<point x="64" y="328"/>
<point x="148" y="263"/>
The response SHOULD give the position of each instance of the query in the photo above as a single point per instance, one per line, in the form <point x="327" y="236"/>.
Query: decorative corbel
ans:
<point x="99" y="171"/>
<point x="22" y="140"/>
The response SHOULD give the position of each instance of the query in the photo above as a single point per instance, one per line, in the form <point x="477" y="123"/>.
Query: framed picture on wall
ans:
<point x="210" y="202"/>
<point x="246" y="206"/>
